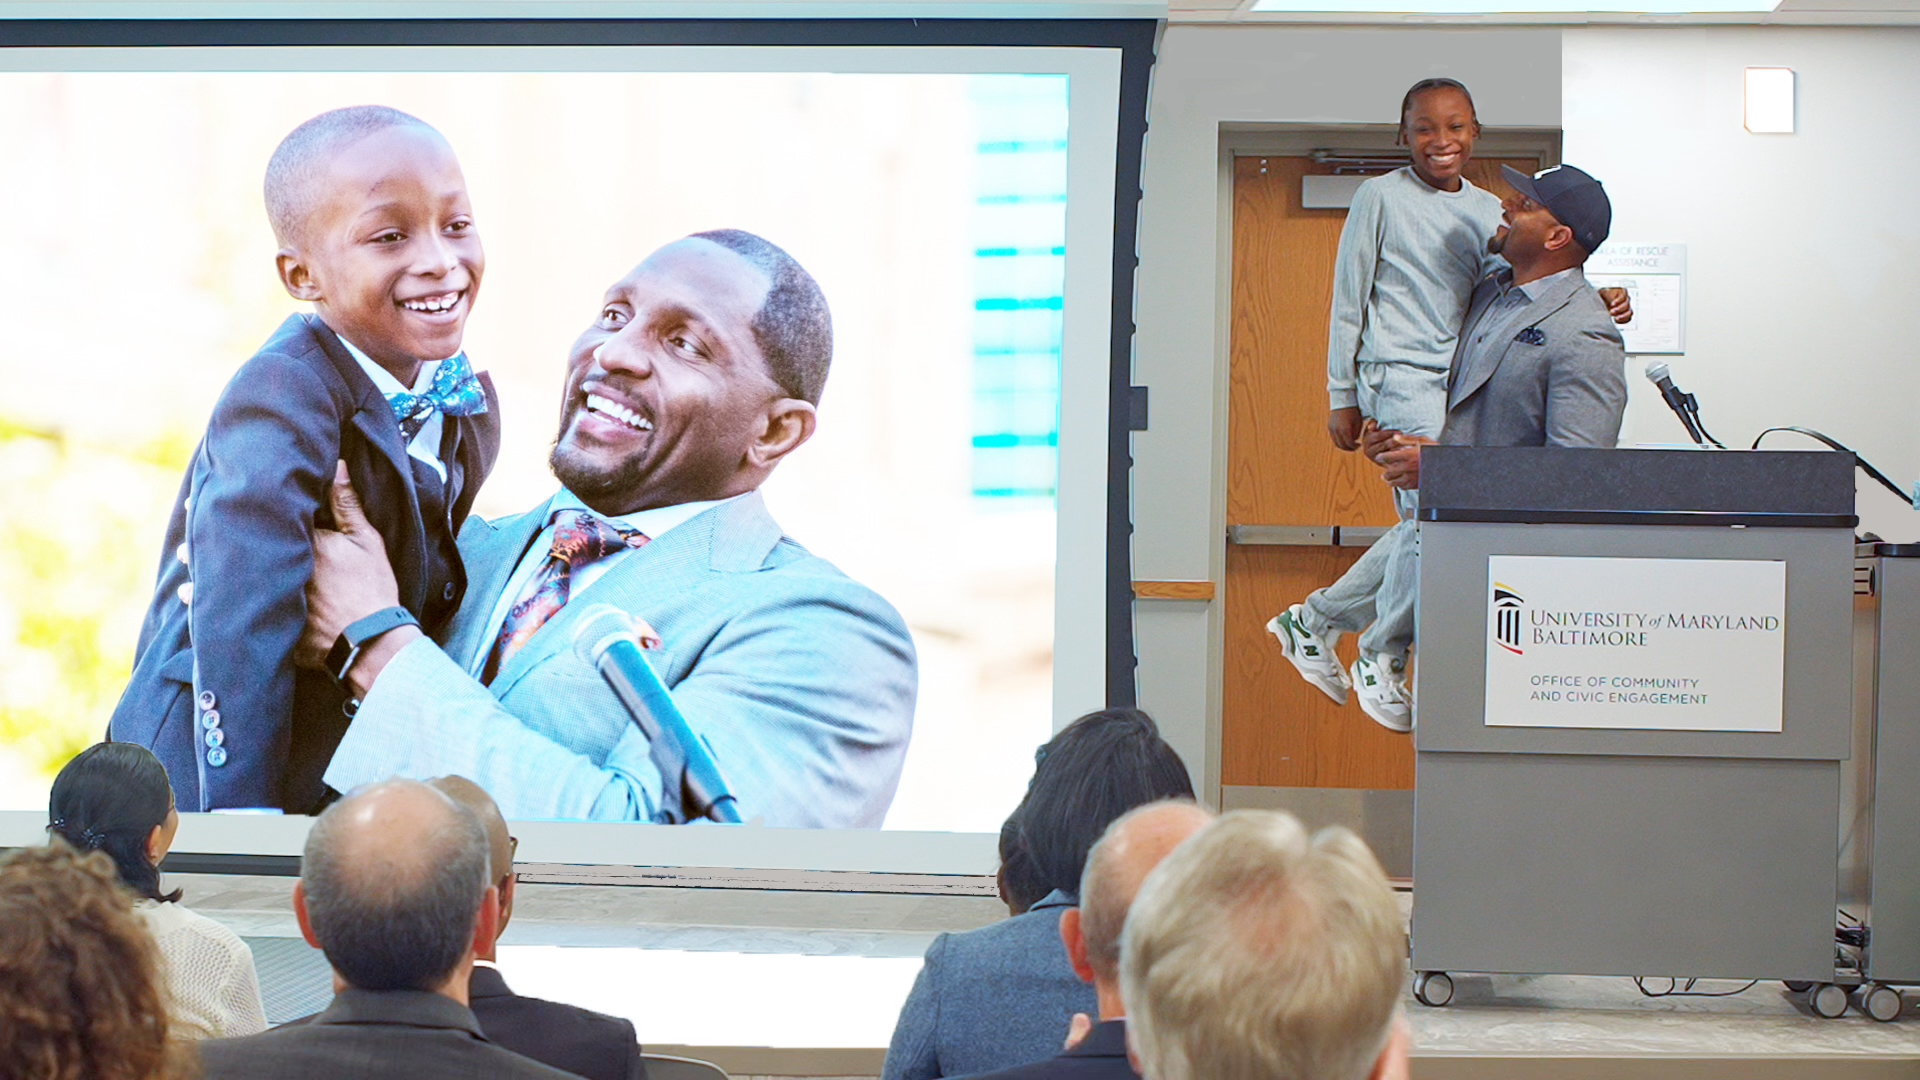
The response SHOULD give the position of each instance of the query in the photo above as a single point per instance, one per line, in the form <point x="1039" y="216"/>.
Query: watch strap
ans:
<point x="346" y="648"/>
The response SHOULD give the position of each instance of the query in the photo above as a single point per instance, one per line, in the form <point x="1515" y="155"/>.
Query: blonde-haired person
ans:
<point x="80" y="991"/>
<point x="1258" y="950"/>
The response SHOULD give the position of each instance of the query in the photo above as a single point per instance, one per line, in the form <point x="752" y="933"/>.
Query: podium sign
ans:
<point x="1635" y="644"/>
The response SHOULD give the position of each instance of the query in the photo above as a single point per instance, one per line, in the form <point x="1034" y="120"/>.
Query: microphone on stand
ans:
<point x="1683" y="404"/>
<point x="606" y="641"/>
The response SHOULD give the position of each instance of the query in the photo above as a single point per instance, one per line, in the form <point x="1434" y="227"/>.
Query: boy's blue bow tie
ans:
<point x="456" y="391"/>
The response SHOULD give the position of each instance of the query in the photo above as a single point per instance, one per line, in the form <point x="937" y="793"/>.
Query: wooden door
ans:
<point x="1276" y="730"/>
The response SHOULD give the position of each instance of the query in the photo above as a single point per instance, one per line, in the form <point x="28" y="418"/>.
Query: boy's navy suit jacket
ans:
<point x="214" y="692"/>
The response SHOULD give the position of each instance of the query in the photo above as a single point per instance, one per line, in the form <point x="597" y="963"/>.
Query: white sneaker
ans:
<point x="1310" y="653"/>
<point x="1382" y="683"/>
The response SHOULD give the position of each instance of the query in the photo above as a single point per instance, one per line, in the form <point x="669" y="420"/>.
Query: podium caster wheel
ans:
<point x="1882" y="1002"/>
<point x="1798" y="986"/>
<point x="1827" y="1001"/>
<point x="1435" y="988"/>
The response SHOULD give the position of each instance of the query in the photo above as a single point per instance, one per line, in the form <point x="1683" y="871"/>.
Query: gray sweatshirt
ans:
<point x="1409" y="258"/>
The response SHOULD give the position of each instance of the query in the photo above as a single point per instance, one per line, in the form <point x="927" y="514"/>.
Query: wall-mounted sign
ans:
<point x="1649" y="644"/>
<point x="1655" y="277"/>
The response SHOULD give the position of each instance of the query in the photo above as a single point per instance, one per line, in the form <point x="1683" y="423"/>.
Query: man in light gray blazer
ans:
<point x="701" y="374"/>
<point x="1539" y="360"/>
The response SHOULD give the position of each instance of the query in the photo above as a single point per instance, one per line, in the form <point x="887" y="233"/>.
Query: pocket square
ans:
<point x="1532" y="335"/>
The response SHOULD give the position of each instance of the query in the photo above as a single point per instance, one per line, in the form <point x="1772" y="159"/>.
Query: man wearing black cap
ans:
<point x="1539" y="360"/>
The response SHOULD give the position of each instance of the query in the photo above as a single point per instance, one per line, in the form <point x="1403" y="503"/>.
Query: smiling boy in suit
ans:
<point x="375" y="228"/>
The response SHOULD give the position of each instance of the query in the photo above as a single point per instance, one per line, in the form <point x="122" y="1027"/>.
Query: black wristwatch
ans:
<point x="346" y="647"/>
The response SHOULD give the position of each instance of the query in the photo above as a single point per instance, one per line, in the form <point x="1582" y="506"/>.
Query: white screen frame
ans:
<point x="1080" y="590"/>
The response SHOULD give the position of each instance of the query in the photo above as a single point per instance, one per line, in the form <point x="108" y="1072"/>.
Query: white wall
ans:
<point x="1801" y="248"/>
<point x="1206" y="77"/>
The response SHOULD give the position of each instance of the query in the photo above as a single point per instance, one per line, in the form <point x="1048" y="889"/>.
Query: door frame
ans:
<point x="1383" y="818"/>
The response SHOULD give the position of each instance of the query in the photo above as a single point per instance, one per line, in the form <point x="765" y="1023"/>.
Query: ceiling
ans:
<point x="1790" y="12"/>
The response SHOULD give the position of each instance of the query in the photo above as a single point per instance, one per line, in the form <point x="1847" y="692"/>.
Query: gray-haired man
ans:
<point x="395" y="887"/>
<point x="1257" y="949"/>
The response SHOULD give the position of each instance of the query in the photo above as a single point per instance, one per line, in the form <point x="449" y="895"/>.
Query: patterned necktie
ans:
<point x="579" y="538"/>
<point x="456" y="391"/>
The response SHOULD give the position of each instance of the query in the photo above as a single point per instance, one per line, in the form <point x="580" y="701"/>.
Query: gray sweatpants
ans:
<point x="1377" y="593"/>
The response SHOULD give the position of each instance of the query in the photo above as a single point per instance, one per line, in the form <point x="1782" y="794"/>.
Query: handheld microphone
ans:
<point x="1683" y="404"/>
<point x="606" y="641"/>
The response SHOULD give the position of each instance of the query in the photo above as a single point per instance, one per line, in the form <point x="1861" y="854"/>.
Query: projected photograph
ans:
<point x="767" y="362"/>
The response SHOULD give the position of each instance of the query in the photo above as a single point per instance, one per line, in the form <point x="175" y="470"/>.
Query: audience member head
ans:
<point x="394" y="888"/>
<point x="1258" y="950"/>
<point x="114" y="797"/>
<point x="1097" y="768"/>
<point x="1019" y="883"/>
<point x="1122" y="858"/>
<point x="80" y="989"/>
<point x="500" y="842"/>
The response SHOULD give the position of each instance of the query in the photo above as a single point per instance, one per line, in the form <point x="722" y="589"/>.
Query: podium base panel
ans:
<point x="1595" y="865"/>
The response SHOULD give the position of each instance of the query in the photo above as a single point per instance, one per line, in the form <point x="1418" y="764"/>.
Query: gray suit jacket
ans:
<point x="369" y="1034"/>
<point x="1555" y="377"/>
<point x="801" y="679"/>
<point x="990" y="999"/>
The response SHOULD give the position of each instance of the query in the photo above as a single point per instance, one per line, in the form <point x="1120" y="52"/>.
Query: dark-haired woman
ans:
<point x="1003" y="995"/>
<point x="115" y="798"/>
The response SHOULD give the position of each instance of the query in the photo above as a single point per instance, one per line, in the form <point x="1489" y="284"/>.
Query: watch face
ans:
<point x="358" y="633"/>
<point x="339" y="657"/>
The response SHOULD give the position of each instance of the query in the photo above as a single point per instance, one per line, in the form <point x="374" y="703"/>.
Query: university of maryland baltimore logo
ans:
<point x="1507" y="608"/>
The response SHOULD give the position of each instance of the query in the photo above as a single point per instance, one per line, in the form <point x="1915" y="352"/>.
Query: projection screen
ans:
<point x="871" y="632"/>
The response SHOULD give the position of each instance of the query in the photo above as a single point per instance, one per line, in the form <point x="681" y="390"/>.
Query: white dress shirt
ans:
<point x="653" y="524"/>
<point x="426" y="442"/>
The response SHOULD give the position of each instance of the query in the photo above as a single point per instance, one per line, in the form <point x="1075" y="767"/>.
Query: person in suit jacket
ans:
<point x="699" y="377"/>
<point x="1132" y="846"/>
<point x="395" y="888"/>
<point x="1004" y="995"/>
<point x="372" y="378"/>
<point x="989" y="998"/>
<point x="1539" y="360"/>
<point x="567" y="1037"/>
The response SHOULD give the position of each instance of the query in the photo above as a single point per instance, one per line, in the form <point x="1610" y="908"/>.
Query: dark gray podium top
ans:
<point x="1554" y="485"/>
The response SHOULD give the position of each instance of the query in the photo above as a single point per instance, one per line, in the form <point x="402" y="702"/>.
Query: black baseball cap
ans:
<point x="1576" y="199"/>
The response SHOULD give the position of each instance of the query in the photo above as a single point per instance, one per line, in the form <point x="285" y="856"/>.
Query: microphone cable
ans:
<point x="1693" y="410"/>
<point x="1911" y="498"/>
